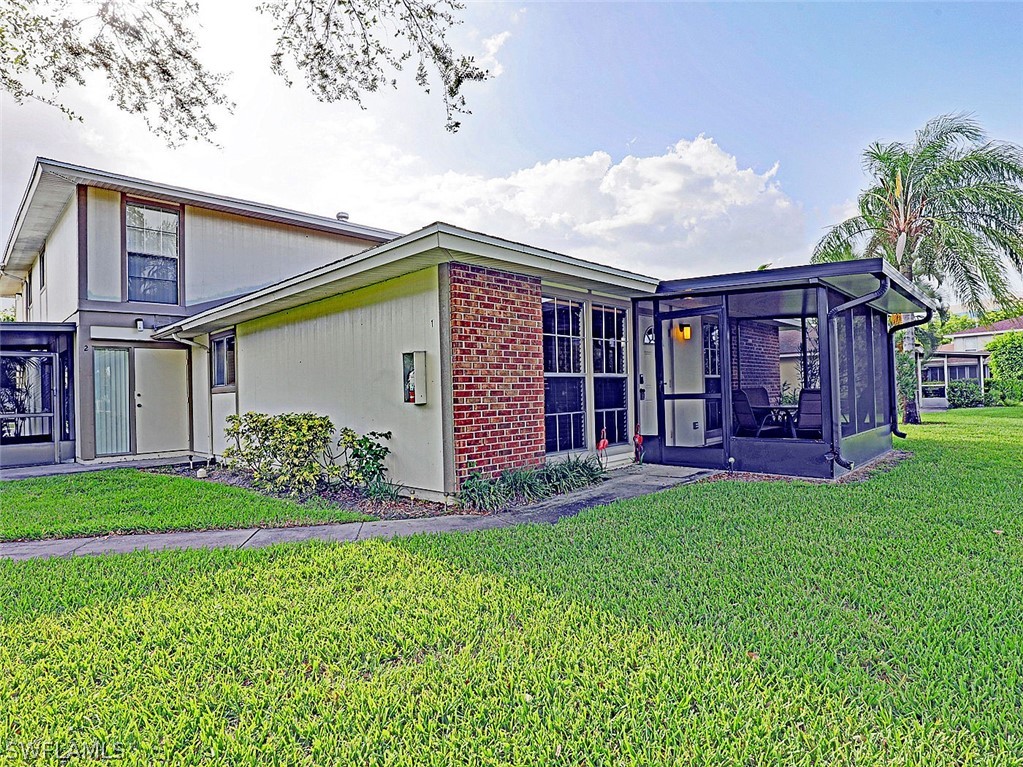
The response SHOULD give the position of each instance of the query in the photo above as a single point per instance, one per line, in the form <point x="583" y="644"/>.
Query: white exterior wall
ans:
<point x="103" y="223"/>
<point x="226" y="255"/>
<point x="341" y="357"/>
<point x="58" y="300"/>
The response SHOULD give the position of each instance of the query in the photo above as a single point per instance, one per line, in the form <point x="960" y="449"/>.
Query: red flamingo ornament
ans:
<point x="602" y="448"/>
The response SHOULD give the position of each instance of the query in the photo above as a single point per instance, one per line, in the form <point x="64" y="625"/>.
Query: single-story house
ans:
<point x="149" y="313"/>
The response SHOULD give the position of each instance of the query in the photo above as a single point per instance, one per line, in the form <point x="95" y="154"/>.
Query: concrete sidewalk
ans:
<point x="621" y="484"/>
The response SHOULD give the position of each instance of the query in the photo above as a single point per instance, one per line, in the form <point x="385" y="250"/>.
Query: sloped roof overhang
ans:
<point x="435" y="244"/>
<point x="853" y="278"/>
<point x="53" y="184"/>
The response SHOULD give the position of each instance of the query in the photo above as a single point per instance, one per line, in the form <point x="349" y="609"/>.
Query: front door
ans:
<point x="690" y="390"/>
<point x="161" y="400"/>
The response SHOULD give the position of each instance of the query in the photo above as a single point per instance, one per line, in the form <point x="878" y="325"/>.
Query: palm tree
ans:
<point x="945" y="210"/>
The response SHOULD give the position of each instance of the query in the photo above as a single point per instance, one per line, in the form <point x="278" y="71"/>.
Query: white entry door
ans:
<point x="161" y="400"/>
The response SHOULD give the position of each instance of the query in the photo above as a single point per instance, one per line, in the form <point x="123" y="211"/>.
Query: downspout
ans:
<point x="197" y="345"/>
<point x="893" y="399"/>
<point x="836" y="427"/>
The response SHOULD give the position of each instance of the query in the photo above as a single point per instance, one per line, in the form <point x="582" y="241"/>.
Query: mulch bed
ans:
<point x="861" y="473"/>
<point x="346" y="498"/>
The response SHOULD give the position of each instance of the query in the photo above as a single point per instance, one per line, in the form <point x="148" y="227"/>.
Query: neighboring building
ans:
<point x="164" y="311"/>
<point x="963" y="358"/>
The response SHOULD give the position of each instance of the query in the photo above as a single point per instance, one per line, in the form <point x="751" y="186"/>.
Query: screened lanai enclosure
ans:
<point x="36" y="393"/>
<point x="787" y="371"/>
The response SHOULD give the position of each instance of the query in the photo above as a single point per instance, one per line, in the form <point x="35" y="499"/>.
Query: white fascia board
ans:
<point x="461" y="240"/>
<point x="19" y="219"/>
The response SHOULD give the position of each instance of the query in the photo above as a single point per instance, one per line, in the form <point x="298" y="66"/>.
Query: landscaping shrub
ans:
<point x="964" y="394"/>
<point x="292" y="452"/>
<point x="363" y="457"/>
<point x="1003" y="392"/>
<point x="529" y="485"/>
<point x="379" y="489"/>
<point x="571" y="474"/>
<point x="1007" y="356"/>
<point x="525" y="485"/>
<point x="285" y="453"/>
<point x="482" y="493"/>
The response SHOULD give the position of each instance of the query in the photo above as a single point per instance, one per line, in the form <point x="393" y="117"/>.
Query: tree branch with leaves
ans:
<point x="147" y="52"/>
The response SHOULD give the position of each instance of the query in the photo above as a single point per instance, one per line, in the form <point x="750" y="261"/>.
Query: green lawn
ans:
<point x="130" y="501"/>
<point x="716" y="624"/>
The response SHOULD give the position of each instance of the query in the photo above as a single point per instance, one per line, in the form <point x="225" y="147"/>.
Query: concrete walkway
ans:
<point x="621" y="484"/>
<point x="51" y="469"/>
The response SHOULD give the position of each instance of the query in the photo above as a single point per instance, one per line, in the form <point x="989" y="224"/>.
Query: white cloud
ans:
<point x="689" y="210"/>
<point x="491" y="47"/>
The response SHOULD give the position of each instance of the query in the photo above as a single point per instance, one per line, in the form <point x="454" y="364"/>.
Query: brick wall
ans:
<point x="496" y="370"/>
<point x="755" y="360"/>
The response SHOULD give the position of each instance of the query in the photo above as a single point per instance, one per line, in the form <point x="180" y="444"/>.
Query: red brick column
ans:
<point x="755" y="360"/>
<point x="496" y="370"/>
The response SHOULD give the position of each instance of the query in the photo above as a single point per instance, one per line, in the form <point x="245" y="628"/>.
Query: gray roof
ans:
<point x="53" y="184"/>
<point x="853" y="278"/>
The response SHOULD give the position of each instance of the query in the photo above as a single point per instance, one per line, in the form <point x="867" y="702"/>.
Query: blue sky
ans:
<point x="587" y="140"/>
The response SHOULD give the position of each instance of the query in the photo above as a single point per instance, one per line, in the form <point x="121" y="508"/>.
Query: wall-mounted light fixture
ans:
<point x="140" y="325"/>
<point x="682" y="332"/>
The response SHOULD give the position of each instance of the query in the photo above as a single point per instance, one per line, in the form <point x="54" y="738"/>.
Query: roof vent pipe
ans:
<point x="341" y="216"/>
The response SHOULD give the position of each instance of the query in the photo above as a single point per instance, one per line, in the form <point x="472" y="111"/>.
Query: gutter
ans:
<point x="836" y="428"/>
<point x="893" y="399"/>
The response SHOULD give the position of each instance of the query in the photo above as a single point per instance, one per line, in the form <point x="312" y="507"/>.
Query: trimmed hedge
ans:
<point x="964" y="394"/>
<point x="1003" y="392"/>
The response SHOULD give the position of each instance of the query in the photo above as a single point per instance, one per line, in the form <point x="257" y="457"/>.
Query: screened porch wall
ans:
<point x="755" y="356"/>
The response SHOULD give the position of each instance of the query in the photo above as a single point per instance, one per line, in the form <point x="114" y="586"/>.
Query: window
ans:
<point x="609" y="374"/>
<point x="28" y="291"/>
<point x="151" y="235"/>
<point x="42" y="269"/>
<point x="564" y="381"/>
<point x="223" y="361"/>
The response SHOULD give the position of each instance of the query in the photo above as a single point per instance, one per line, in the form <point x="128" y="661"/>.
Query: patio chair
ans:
<point x="809" y="416"/>
<point x="746" y="421"/>
<point x="758" y="396"/>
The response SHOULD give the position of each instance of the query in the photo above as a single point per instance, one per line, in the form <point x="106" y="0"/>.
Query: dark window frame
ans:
<point x="576" y="419"/>
<point x="173" y="208"/>
<point x="230" y="384"/>
<point x="619" y="348"/>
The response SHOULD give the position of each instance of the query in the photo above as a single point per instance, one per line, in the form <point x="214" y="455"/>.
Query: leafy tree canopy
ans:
<point x="945" y="209"/>
<point x="146" y="50"/>
<point x="1007" y="356"/>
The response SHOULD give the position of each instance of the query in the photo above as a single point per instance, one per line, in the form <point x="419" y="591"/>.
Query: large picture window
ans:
<point x="151" y="235"/>
<point x="564" y="380"/>
<point x="610" y="385"/>
<point x="223" y="361"/>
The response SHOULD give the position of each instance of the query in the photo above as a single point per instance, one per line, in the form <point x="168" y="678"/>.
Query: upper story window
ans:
<point x="42" y="269"/>
<point x="151" y="235"/>
<point x="223" y="360"/>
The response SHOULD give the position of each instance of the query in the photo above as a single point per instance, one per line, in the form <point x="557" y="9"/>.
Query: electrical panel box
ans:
<point x="413" y="365"/>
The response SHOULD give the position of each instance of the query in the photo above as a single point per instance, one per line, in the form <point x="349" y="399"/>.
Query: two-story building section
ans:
<point x="97" y="261"/>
